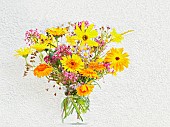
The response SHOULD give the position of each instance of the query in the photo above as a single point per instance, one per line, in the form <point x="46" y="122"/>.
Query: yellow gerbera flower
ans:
<point x="89" y="73"/>
<point x="39" y="47"/>
<point x="72" y="63"/>
<point x="84" y="89"/>
<point x="85" y="36"/>
<point x="42" y="70"/>
<point x="117" y="59"/>
<point x="57" y="31"/>
<point x="24" y="52"/>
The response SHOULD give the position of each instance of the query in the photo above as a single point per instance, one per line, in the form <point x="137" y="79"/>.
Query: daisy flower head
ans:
<point x="57" y="31"/>
<point x="72" y="63"/>
<point x="24" y="52"/>
<point x="42" y="70"/>
<point x="39" y="47"/>
<point x="86" y="35"/>
<point x="117" y="59"/>
<point x="84" y="89"/>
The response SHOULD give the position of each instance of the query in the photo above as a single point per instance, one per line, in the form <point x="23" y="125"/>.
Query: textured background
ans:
<point x="137" y="97"/>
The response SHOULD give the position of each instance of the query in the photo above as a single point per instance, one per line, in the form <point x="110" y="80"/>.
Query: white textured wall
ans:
<point x="138" y="97"/>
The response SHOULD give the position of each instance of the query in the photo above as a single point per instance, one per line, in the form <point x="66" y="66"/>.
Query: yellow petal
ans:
<point x="92" y="34"/>
<point x="92" y="43"/>
<point x="71" y="40"/>
<point x="90" y="27"/>
<point x="83" y="27"/>
<point x="78" y="31"/>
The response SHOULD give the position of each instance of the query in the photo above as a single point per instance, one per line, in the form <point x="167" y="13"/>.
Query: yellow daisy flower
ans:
<point x="72" y="63"/>
<point x="39" y="47"/>
<point x="85" y="35"/>
<point x="24" y="52"/>
<point x="57" y="31"/>
<point x="117" y="59"/>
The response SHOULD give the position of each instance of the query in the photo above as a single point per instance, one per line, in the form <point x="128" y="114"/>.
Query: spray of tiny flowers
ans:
<point x="73" y="57"/>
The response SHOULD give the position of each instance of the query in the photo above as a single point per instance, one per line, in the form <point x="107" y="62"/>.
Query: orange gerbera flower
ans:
<point x="84" y="90"/>
<point x="42" y="70"/>
<point x="89" y="73"/>
<point x="96" y="66"/>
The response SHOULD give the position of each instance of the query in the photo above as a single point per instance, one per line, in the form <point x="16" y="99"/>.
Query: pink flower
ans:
<point x="70" y="77"/>
<point x="107" y="65"/>
<point x="86" y="23"/>
<point x="80" y="23"/>
<point x="31" y="36"/>
<point x="101" y="43"/>
<point x="61" y="50"/>
<point x="52" y="59"/>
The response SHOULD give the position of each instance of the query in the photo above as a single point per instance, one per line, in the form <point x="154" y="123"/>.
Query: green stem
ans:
<point x="77" y="110"/>
<point x="26" y="61"/>
<point x="41" y="57"/>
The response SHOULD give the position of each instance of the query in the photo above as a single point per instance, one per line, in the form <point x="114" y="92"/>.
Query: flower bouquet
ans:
<point x="73" y="57"/>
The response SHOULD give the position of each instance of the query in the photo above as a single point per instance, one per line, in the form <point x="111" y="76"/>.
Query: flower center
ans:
<point x="117" y="58"/>
<point x="85" y="37"/>
<point x="72" y="63"/>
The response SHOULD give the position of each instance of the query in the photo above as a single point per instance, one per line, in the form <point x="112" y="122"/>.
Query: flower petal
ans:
<point x="90" y="28"/>
<point x="92" y="34"/>
<point x="78" y="31"/>
<point x="83" y="27"/>
<point x="92" y="43"/>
